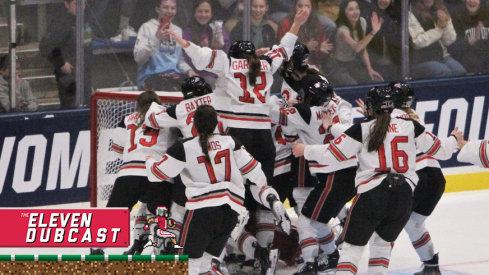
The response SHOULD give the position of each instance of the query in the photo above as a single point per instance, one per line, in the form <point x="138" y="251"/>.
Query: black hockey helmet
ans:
<point x="379" y="99"/>
<point x="317" y="90"/>
<point x="299" y="59"/>
<point x="195" y="86"/>
<point x="240" y="48"/>
<point x="403" y="94"/>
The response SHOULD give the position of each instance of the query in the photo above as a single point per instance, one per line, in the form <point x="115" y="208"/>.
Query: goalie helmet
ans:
<point x="317" y="91"/>
<point x="403" y="94"/>
<point x="239" y="49"/>
<point x="195" y="86"/>
<point x="379" y="99"/>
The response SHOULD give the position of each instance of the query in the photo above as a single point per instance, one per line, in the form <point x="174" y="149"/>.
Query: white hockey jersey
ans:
<point x="423" y="160"/>
<point x="475" y="152"/>
<point x="396" y="155"/>
<point x="180" y="115"/>
<point x="209" y="184"/>
<point x="239" y="104"/>
<point x="135" y="144"/>
<point x="308" y="122"/>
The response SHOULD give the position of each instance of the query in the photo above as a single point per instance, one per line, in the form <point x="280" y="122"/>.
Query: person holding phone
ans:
<point x="161" y="65"/>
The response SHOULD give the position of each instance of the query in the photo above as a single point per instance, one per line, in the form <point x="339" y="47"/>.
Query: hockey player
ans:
<point x="427" y="193"/>
<point x="212" y="168"/>
<point x="195" y="92"/>
<point x="475" y="152"/>
<point x="386" y="177"/>
<point x="335" y="184"/>
<point x="134" y="142"/>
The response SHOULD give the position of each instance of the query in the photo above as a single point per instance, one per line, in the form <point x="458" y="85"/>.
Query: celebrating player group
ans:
<point x="224" y="160"/>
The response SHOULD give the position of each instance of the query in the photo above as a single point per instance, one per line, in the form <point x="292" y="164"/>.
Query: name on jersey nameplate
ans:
<point x="91" y="227"/>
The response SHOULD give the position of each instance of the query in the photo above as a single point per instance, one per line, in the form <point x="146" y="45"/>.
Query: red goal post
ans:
<point x="108" y="107"/>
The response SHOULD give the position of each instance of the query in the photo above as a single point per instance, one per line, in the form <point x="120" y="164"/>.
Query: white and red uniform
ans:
<point x="398" y="151"/>
<point x="135" y="144"/>
<point x="180" y="115"/>
<point x="239" y="104"/>
<point x="475" y="152"/>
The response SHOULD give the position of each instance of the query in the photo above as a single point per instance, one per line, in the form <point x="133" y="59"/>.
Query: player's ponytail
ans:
<point x="254" y="65"/>
<point x="205" y="121"/>
<point x="379" y="132"/>
<point x="143" y="103"/>
<point x="411" y="114"/>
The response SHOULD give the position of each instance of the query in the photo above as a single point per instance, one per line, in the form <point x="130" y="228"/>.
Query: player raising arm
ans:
<point x="386" y="177"/>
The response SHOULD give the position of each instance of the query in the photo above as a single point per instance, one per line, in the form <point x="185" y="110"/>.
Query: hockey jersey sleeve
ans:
<point x="475" y="152"/>
<point x="249" y="167"/>
<point x="432" y="145"/>
<point x="159" y="117"/>
<point x="281" y="52"/>
<point x="118" y="137"/>
<point x="169" y="166"/>
<point x="204" y="58"/>
<point x="297" y="117"/>
<point x="341" y="149"/>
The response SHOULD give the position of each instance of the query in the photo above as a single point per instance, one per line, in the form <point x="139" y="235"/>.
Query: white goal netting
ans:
<point x="108" y="108"/>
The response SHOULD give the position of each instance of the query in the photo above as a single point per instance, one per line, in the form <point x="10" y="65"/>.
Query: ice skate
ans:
<point x="308" y="268"/>
<point x="327" y="263"/>
<point x="217" y="268"/>
<point x="430" y="267"/>
<point x="138" y="246"/>
<point x="280" y="213"/>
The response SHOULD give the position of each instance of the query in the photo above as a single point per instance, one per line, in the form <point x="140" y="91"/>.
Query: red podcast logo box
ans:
<point x="89" y="227"/>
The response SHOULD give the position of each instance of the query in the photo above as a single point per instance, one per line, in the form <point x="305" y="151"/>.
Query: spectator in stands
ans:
<point x="431" y="31"/>
<point x="351" y="65"/>
<point x="25" y="101"/>
<point x="205" y="33"/>
<point x="280" y="9"/>
<point x="385" y="48"/>
<point x="263" y="31"/>
<point x="471" y="22"/>
<point x="97" y="10"/>
<point x="311" y="34"/>
<point x="160" y="60"/>
<point x="59" y="46"/>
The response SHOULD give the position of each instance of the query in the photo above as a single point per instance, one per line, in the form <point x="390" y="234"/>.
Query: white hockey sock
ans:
<point x="141" y="220"/>
<point x="244" y="244"/>
<point x="307" y="239"/>
<point x="325" y="236"/>
<point x="300" y="195"/>
<point x="420" y="237"/>
<point x="265" y="228"/>
<point x="349" y="258"/>
<point x="380" y="254"/>
<point x="177" y="213"/>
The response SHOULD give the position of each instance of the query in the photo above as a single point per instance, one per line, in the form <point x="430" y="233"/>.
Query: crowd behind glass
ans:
<point x="351" y="41"/>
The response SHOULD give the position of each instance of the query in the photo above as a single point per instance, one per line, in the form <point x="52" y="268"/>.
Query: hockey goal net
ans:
<point x="108" y="107"/>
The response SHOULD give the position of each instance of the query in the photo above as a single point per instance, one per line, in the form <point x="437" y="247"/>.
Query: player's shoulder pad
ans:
<point x="177" y="151"/>
<point x="237" y="143"/>
<point x="266" y="58"/>
<point x="171" y="111"/>
<point x="355" y="131"/>
<point x="305" y="111"/>
<point x="418" y="128"/>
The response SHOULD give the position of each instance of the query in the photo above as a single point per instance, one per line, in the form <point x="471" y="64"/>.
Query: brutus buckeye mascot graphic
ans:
<point x="159" y="226"/>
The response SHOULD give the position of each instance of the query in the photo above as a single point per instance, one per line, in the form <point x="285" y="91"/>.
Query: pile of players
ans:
<point x="383" y="163"/>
